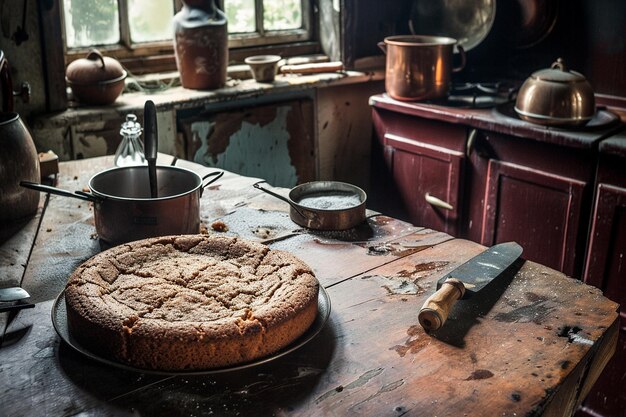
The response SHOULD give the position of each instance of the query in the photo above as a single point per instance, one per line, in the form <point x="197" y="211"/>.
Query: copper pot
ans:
<point x="96" y="79"/>
<point x="556" y="97"/>
<point x="419" y="67"/>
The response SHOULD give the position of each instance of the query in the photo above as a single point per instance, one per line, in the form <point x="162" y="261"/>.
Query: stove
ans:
<point x="480" y="95"/>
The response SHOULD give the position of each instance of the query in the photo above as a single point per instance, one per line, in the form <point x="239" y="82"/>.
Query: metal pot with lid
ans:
<point x="556" y="96"/>
<point x="96" y="79"/>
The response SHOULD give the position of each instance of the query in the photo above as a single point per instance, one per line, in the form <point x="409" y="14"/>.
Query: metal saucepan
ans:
<point x="556" y="96"/>
<point x="419" y="67"/>
<point x="324" y="205"/>
<point x="125" y="211"/>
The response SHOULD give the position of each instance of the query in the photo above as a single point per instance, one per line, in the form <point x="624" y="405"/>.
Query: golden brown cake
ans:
<point x="190" y="302"/>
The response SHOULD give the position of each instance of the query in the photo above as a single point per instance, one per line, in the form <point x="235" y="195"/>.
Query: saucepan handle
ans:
<point x="216" y="174"/>
<point x="280" y="197"/>
<point x="56" y="191"/>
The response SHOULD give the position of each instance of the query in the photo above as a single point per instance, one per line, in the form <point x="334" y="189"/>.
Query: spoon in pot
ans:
<point x="150" y="143"/>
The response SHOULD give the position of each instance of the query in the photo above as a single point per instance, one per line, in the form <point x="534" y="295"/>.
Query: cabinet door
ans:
<point x="606" y="269"/>
<point x="539" y="210"/>
<point x="429" y="180"/>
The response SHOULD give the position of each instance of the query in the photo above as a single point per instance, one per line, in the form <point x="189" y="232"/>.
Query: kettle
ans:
<point x="18" y="161"/>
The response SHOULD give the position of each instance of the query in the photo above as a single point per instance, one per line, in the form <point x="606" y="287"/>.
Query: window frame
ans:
<point x="55" y="59"/>
<point x="157" y="57"/>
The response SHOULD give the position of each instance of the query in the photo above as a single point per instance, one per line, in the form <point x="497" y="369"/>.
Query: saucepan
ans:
<point x="324" y="205"/>
<point x="124" y="209"/>
<point x="419" y="67"/>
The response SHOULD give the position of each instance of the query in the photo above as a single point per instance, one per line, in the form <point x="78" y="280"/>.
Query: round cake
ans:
<point x="193" y="302"/>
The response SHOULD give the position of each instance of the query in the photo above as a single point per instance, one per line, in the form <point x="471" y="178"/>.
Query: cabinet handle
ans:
<point x="437" y="202"/>
<point x="471" y="138"/>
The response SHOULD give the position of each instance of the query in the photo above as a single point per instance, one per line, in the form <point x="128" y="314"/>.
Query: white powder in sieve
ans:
<point x="330" y="201"/>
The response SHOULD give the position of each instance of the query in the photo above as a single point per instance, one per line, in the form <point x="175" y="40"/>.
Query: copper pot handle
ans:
<point x="383" y="46"/>
<point x="463" y="59"/>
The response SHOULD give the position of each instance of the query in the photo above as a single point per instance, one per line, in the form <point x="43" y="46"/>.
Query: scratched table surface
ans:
<point x="531" y="344"/>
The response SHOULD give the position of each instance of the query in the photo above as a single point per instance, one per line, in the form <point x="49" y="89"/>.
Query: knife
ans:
<point x="465" y="281"/>
<point x="13" y="294"/>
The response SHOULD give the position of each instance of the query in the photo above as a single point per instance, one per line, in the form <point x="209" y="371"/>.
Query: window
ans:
<point x="140" y="31"/>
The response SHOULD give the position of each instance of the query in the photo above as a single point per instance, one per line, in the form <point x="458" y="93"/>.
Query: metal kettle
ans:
<point x="18" y="161"/>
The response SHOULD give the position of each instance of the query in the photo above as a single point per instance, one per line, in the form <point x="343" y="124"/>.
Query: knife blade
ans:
<point x="13" y="294"/>
<point x="465" y="281"/>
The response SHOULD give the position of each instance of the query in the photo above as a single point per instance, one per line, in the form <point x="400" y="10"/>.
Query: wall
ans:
<point x="24" y="58"/>
<point x="340" y="126"/>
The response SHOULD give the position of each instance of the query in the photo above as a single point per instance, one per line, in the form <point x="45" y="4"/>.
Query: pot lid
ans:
<point x="559" y="73"/>
<point x="467" y="21"/>
<point x="94" y="68"/>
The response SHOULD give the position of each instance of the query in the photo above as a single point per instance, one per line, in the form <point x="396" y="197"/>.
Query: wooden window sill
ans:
<point x="179" y="98"/>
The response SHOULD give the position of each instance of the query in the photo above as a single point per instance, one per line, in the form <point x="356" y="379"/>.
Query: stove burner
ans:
<point x="602" y="119"/>
<point x="481" y="95"/>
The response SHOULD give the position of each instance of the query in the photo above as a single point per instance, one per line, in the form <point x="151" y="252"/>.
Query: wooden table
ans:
<point x="531" y="345"/>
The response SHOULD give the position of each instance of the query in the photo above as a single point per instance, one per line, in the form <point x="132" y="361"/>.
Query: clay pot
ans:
<point x="96" y="79"/>
<point x="263" y="67"/>
<point x="201" y="45"/>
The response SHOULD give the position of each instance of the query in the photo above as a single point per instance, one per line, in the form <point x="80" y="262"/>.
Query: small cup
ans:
<point x="263" y="67"/>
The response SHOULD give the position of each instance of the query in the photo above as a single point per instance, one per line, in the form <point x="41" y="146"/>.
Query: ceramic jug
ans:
<point x="201" y="45"/>
<point x="18" y="161"/>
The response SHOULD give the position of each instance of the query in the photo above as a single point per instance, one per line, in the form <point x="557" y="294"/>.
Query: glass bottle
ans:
<point x="130" y="151"/>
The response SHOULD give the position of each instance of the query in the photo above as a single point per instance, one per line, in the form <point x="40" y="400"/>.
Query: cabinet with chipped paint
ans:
<point x="604" y="269"/>
<point x="273" y="141"/>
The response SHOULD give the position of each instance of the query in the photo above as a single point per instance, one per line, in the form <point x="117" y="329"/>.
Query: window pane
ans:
<point x="282" y="14"/>
<point x="150" y="20"/>
<point x="91" y="22"/>
<point x="240" y="15"/>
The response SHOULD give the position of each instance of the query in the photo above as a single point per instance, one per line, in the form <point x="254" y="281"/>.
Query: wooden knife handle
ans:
<point x="435" y="310"/>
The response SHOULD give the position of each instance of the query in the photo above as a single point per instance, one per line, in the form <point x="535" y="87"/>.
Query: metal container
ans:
<point x="18" y="161"/>
<point x="124" y="210"/>
<point x="324" y="205"/>
<point x="556" y="97"/>
<point x="419" y="67"/>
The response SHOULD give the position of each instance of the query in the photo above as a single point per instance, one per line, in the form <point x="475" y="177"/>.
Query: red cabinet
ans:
<point x="606" y="269"/>
<point x="425" y="162"/>
<point x="532" y="192"/>
<point x="485" y="175"/>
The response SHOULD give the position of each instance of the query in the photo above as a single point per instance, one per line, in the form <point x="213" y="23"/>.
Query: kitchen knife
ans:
<point x="13" y="294"/>
<point x="465" y="281"/>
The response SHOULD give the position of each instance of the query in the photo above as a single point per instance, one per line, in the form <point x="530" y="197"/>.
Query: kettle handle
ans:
<point x="6" y="84"/>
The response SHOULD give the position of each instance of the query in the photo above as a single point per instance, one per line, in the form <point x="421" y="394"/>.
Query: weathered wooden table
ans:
<point x="531" y="345"/>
